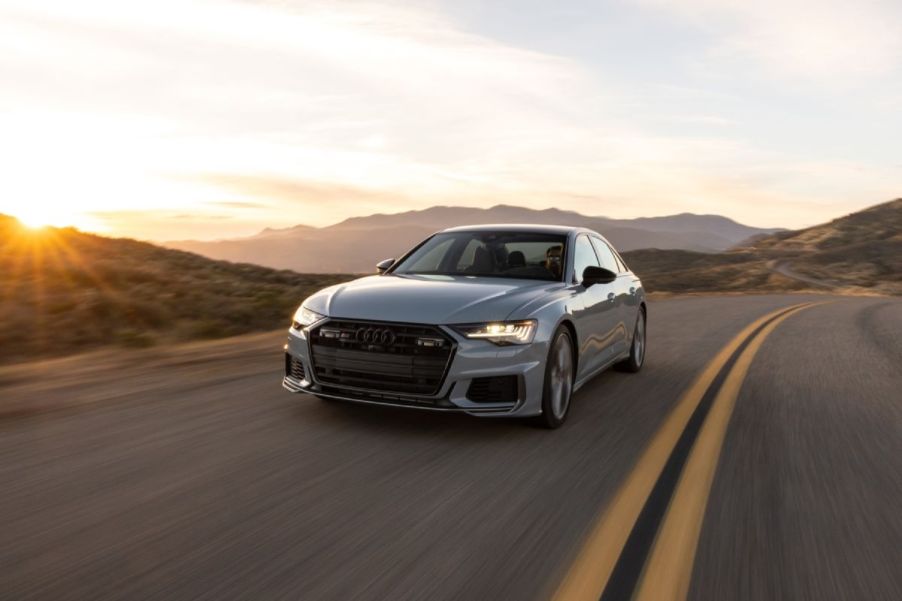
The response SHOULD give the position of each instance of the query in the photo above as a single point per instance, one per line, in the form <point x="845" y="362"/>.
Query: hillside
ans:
<point x="862" y="249"/>
<point x="878" y="224"/>
<point x="65" y="291"/>
<point x="355" y="244"/>
<point x="680" y="271"/>
<point x="860" y="252"/>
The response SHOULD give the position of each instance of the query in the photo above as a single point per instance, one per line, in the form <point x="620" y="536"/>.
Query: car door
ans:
<point x="595" y="312"/>
<point x="623" y="295"/>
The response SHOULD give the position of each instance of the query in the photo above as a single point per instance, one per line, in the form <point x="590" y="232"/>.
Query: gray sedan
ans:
<point x="503" y="320"/>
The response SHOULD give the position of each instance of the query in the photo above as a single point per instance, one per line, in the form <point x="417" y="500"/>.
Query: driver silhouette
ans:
<point x="553" y="258"/>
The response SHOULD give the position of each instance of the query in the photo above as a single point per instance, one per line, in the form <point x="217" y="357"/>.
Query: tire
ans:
<point x="634" y="362"/>
<point x="558" y="386"/>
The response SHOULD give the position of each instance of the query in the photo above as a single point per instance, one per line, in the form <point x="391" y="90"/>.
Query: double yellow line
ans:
<point x="643" y="545"/>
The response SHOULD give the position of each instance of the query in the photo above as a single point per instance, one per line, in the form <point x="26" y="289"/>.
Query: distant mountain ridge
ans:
<point x="353" y="245"/>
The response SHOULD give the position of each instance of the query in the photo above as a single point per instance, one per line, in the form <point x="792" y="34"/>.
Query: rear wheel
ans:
<point x="634" y="362"/>
<point x="558" y="380"/>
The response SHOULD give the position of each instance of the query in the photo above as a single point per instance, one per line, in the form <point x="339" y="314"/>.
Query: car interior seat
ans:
<point x="516" y="259"/>
<point x="482" y="262"/>
<point x="553" y="258"/>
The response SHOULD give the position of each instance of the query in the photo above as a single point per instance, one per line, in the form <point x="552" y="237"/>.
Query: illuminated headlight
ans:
<point x="505" y="332"/>
<point x="303" y="317"/>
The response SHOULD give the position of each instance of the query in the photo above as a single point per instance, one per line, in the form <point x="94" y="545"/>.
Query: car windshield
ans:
<point x="523" y="255"/>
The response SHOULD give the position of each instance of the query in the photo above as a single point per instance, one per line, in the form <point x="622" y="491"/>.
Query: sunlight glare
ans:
<point x="39" y="218"/>
<point x="33" y="221"/>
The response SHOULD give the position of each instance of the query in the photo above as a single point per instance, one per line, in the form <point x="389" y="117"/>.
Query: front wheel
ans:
<point x="634" y="362"/>
<point x="558" y="380"/>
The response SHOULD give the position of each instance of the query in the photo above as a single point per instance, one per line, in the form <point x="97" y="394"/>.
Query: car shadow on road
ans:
<point x="412" y="422"/>
<point x="418" y="423"/>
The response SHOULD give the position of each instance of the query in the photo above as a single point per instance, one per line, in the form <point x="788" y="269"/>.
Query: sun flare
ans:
<point x="41" y="218"/>
<point x="33" y="221"/>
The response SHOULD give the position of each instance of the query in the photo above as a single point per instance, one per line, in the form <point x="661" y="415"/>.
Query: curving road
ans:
<point x="784" y="268"/>
<point x="193" y="475"/>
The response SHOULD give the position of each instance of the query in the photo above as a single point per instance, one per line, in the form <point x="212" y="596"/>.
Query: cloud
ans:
<point x="287" y="189"/>
<point x="235" y="204"/>
<point x="327" y="200"/>
<point x="166" y="224"/>
<point x="308" y="112"/>
<point x="365" y="95"/>
<point x="830" y="41"/>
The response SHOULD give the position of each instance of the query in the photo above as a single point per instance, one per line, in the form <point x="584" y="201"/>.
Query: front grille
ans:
<point x="495" y="389"/>
<point x="390" y="357"/>
<point x="294" y="368"/>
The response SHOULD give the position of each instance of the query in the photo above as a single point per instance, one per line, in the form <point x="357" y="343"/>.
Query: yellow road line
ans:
<point x="669" y="567"/>
<point x="592" y="568"/>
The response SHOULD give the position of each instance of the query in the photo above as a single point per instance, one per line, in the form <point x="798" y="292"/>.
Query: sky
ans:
<point x="211" y="119"/>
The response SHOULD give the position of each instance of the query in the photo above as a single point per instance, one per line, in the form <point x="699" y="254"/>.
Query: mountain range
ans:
<point x="356" y="244"/>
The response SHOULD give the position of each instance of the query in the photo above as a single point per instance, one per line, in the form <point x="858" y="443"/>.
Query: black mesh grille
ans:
<point x="294" y="368"/>
<point x="401" y="358"/>
<point x="496" y="389"/>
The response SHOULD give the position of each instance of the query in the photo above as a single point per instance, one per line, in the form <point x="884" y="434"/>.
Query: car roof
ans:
<point x="520" y="227"/>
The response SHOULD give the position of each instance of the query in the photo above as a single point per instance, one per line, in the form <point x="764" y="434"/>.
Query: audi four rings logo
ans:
<point x="382" y="336"/>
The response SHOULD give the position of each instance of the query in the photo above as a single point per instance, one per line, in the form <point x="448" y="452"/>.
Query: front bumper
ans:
<point x="472" y="359"/>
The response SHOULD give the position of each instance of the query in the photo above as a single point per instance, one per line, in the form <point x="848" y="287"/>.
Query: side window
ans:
<point x="606" y="255"/>
<point x="621" y="261"/>
<point x="583" y="256"/>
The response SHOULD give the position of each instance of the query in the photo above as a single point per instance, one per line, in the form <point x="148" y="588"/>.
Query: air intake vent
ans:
<point x="294" y="368"/>
<point x="496" y="389"/>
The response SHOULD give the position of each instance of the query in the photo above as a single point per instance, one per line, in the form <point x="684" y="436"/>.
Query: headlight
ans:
<point x="504" y="332"/>
<point x="303" y="317"/>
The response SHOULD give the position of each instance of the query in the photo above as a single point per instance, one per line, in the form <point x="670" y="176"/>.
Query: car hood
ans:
<point x="429" y="299"/>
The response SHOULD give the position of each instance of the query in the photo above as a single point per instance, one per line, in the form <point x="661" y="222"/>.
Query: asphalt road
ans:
<point x="785" y="268"/>
<point x="190" y="474"/>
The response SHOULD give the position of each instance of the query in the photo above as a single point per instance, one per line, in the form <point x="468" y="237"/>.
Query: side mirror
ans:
<point x="597" y="275"/>
<point x="382" y="266"/>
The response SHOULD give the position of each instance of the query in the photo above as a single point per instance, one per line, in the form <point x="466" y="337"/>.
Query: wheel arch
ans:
<point x="574" y="342"/>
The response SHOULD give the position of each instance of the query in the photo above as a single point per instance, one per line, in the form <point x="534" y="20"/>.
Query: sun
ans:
<point x="33" y="221"/>
<point x="40" y="218"/>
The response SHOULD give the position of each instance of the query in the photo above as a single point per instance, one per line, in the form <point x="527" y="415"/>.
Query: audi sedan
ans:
<point x="490" y="320"/>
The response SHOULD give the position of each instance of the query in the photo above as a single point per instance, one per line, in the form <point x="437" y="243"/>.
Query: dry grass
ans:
<point x="860" y="253"/>
<point x="63" y="291"/>
<point x="680" y="271"/>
